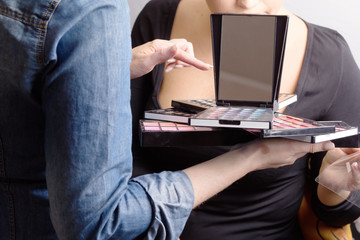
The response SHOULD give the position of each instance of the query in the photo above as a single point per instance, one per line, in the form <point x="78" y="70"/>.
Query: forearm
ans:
<point x="333" y="177"/>
<point x="211" y="177"/>
<point x="337" y="206"/>
<point x="337" y="215"/>
<point x="327" y="196"/>
<point x="219" y="173"/>
<point x="87" y="138"/>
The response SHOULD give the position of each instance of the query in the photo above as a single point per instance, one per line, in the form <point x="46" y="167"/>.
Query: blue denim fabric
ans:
<point x="65" y="128"/>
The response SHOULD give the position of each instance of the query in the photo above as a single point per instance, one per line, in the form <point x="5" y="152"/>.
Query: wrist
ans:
<point x="329" y="198"/>
<point x="249" y="156"/>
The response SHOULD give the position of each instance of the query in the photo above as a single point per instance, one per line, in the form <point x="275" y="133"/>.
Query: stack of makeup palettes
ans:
<point x="176" y="127"/>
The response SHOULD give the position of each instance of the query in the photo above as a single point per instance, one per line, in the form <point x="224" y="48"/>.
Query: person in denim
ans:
<point x="318" y="67"/>
<point x="65" y="129"/>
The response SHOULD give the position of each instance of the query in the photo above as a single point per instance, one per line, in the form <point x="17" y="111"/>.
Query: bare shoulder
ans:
<point x="190" y="16"/>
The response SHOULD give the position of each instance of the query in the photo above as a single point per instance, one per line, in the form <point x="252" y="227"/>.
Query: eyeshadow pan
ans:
<point x="167" y="124"/>
<point x="151" y="124"/>
<point x="164" y="128"/>
<point x="150" y="128"/>
<point x="284" y="122"/>
<point x="186" y="128"/>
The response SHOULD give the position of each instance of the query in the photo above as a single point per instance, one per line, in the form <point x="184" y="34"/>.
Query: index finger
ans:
<point x="185" y="57"/>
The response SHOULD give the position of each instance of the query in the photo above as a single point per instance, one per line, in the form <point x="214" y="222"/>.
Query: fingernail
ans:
<point x="171" y="60"/>
<point x="356" y="166"/>
<point x="348" y="168"/>
<point x="168" y="69"/>
<point x="210" y="65"/>
<point x="179" y="66"/>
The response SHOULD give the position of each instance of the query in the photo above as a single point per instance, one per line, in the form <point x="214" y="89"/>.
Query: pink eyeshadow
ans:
<point x="150" y="128"/>
<point x="150" y="123"/>
<point x="203" y="128"/>
<point x="169" y="128"/>
<point x="186" y="128"/>
<point x="166" y="124"/>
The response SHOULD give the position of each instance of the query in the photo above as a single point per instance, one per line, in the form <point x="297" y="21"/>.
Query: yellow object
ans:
<point x="314" y="229"/>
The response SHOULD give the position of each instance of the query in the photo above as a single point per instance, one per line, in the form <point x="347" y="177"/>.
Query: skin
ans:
<point x="195" y="27"/>
<point x="247" y="6"/>
<point x="336" y="180"/>
<point x="179" y="51"/>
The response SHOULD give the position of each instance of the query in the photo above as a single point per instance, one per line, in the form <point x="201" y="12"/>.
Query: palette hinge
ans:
<point x="225" y="104"/>
<point x="274" y="105"/>
<point x="265" y="105"/>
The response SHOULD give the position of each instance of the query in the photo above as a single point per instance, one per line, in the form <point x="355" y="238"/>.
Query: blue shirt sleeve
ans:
<point x="170" y="196"/>
<point x="86" y="102"/>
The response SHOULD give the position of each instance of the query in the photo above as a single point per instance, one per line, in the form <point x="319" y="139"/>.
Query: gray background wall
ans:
<point x="135" y="8"/>
<point x="342" y="15"/>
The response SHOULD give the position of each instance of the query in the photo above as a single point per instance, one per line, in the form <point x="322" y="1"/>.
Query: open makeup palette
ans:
<point x="344" y="135"/>
<point x="247" y="72"/>
<point x="198" y="105"/>
<point x="183" y="110"/>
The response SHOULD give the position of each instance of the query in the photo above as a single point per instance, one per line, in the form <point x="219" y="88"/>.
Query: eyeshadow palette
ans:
<point x="247" y="70"/>
<point x="198" y="105"/>
<point x="234" y="117"/>
<point x="285" y="99"/>
<point x="169" y="134"/>
<point x="179" y="116"/>
<point x="344" y="135"/>
<point x="282" y="125"/>
<point x="285" y="125"/>
<point x="168" y="114"/>
<point x="194" y="105"/>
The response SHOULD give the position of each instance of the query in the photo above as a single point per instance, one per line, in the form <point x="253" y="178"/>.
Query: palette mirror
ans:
<point x="247" y="58"/>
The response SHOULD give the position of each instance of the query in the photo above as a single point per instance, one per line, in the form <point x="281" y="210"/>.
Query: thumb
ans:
<point x="320" y="147"/>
